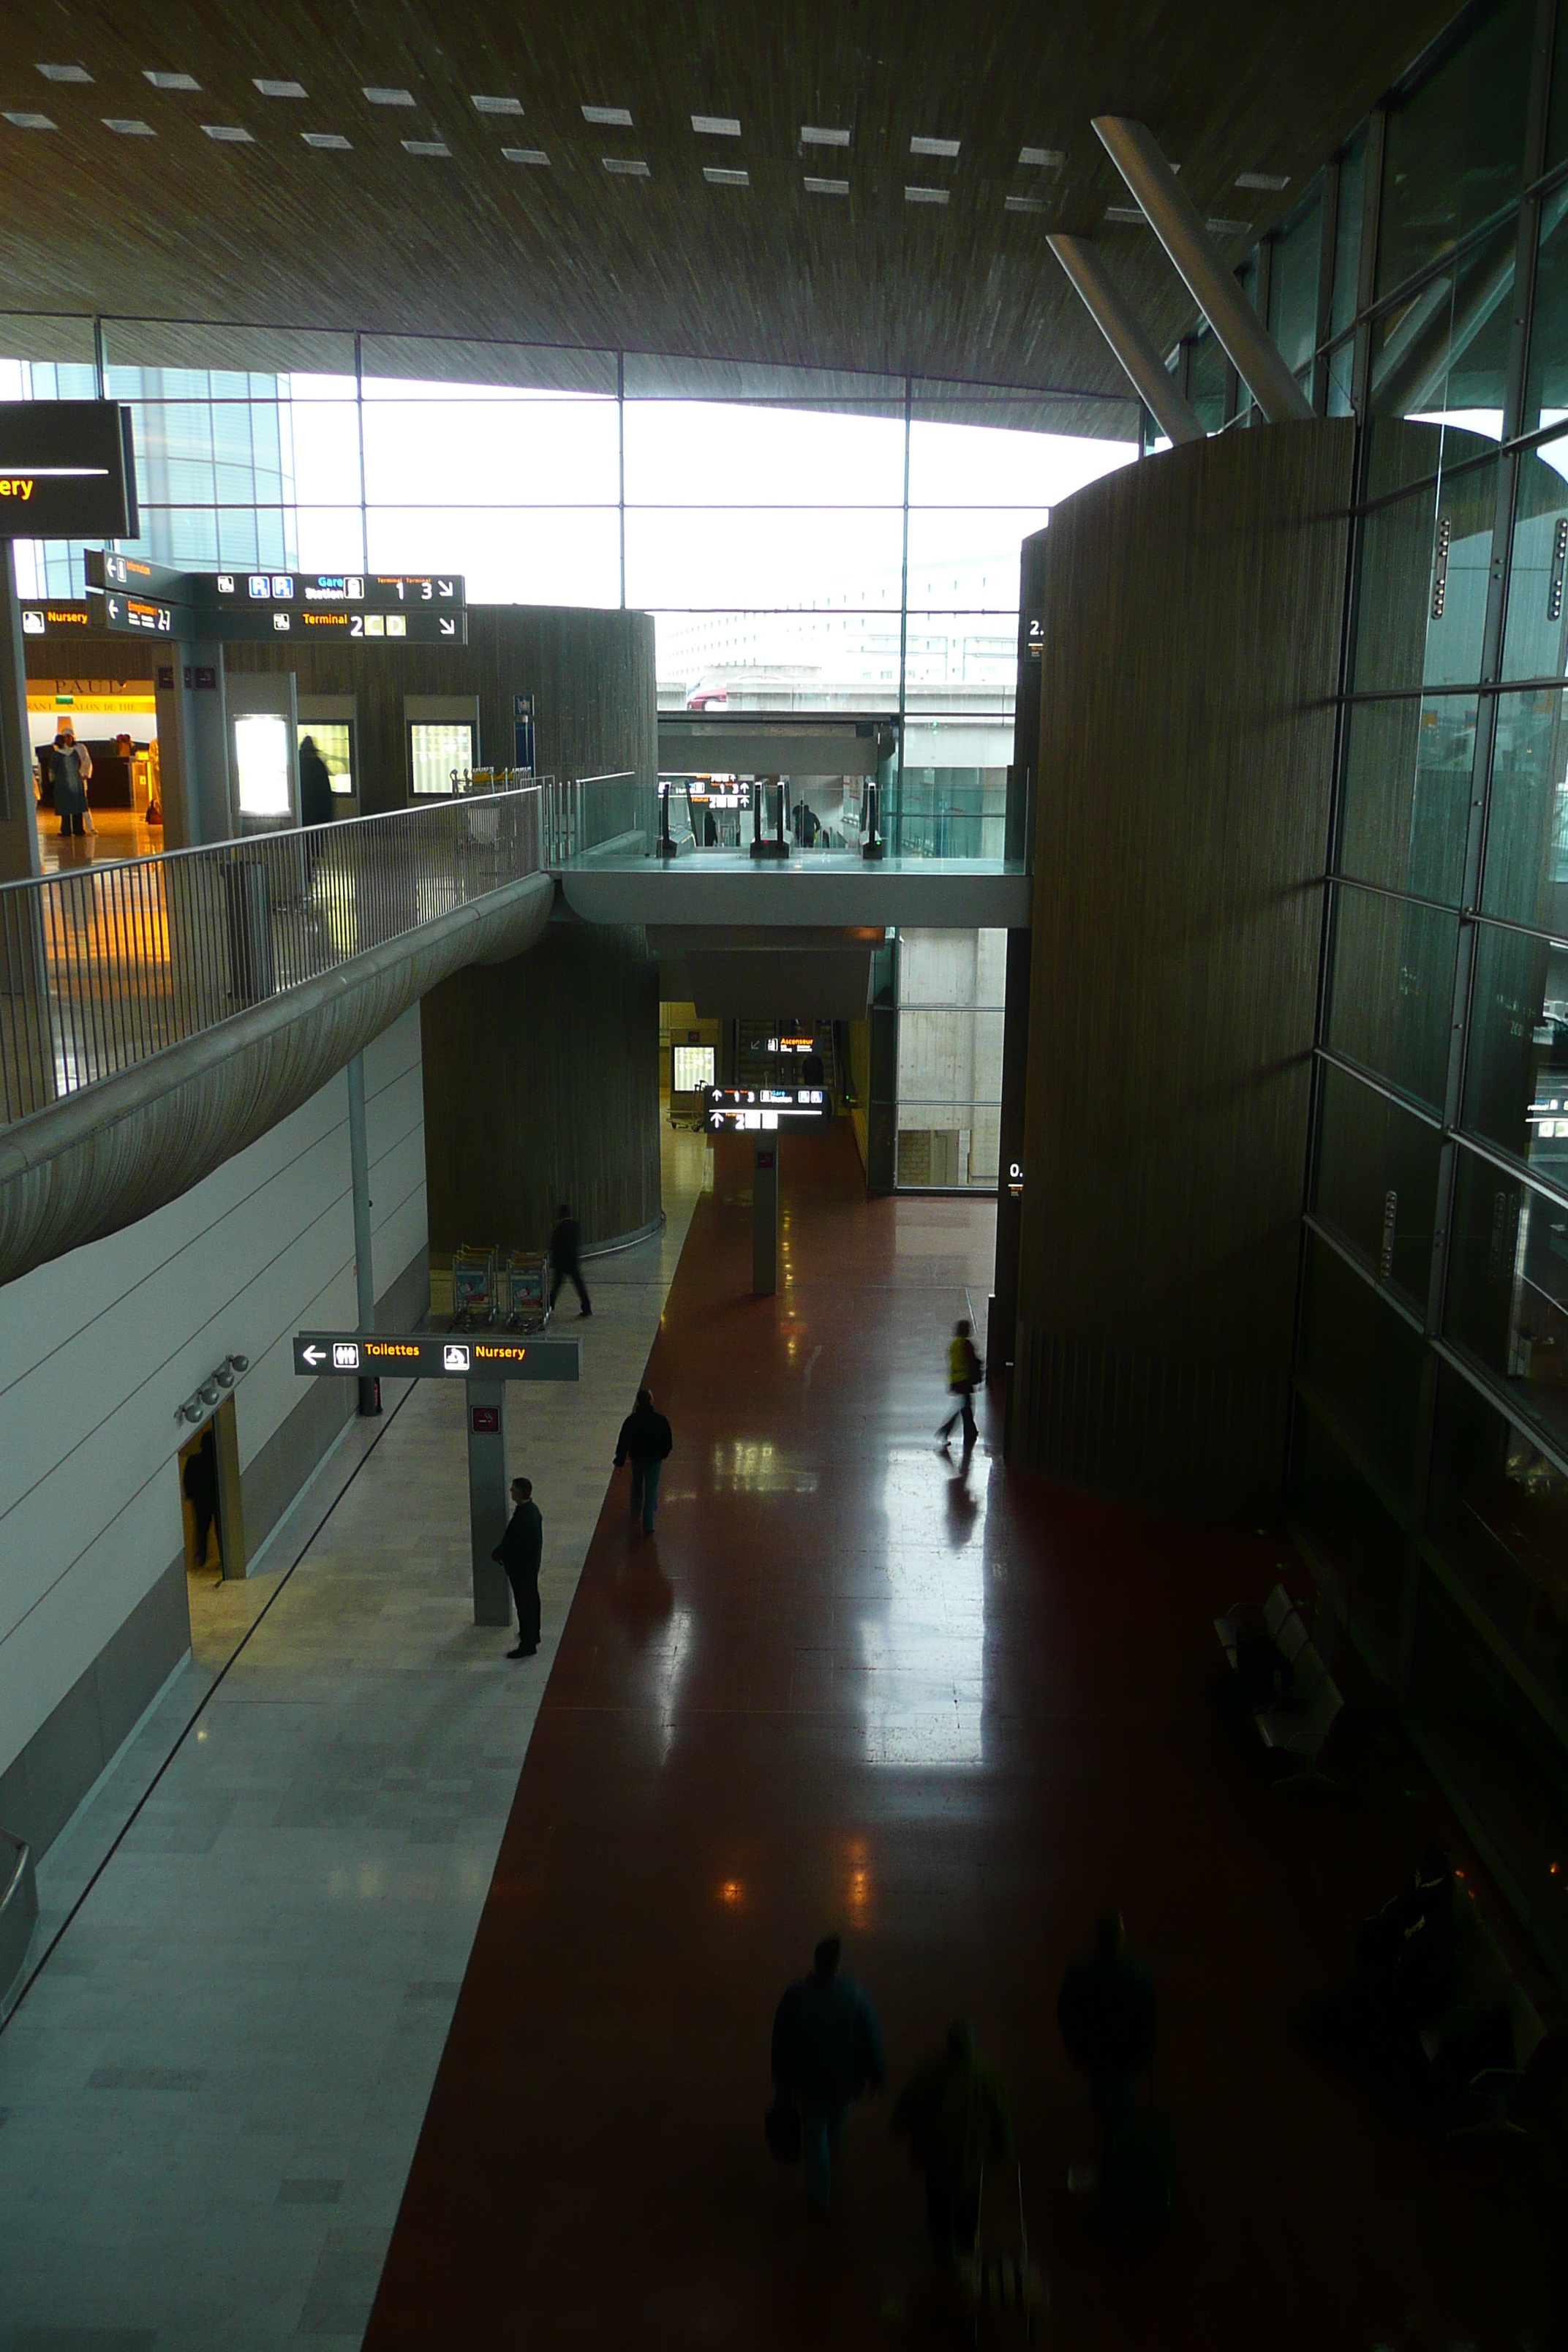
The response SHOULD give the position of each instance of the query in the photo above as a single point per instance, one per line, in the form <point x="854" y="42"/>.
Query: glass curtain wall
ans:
<point x="1430" y="1450"/>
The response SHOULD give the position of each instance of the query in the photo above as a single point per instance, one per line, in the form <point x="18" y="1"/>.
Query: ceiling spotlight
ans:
<point x="189" y="1411"/>
<point x="209" y="1392"/>
<point x="240" y="1363"/>
<point x="224" y="1375"/>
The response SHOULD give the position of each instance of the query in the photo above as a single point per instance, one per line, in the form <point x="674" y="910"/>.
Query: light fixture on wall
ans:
<point x="197" y="1406"/>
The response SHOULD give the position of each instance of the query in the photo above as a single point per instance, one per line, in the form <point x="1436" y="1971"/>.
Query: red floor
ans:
<point x="846" y="1686"/>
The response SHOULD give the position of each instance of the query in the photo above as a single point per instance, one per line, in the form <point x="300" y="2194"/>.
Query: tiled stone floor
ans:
<point x="210" y="2098"/>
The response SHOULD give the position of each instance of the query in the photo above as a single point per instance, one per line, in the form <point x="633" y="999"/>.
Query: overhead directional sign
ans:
<point x="104" y="568"/>
<point x="129" y="615"/>
<point x="366" y="591"/>
<point x="439" y="1355"/>
<point x="761" y="1110"/>
<point x="68" y="469"/>
<point x="43" y="620"/>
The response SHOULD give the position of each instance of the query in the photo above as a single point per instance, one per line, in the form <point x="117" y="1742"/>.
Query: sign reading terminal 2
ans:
<point x="436" y="1355"/>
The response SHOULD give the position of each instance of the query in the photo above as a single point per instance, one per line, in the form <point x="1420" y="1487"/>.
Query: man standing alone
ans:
<point x="567" y="1258"/>
<point x="646" y="1442"/>
<point x="519" y="1551"/>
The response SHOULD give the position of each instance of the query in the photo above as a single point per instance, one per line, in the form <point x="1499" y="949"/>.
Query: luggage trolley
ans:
<point x="473" y="1286"/>
<point x="527" y="1284"/>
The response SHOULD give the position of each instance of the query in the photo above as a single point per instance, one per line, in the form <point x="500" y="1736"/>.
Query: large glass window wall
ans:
<point x="806" y="540"/>
<point x="1430" y="1453"/>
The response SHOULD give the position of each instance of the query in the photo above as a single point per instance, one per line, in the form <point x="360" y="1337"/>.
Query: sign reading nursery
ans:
<point x="67" y="469"/>
<point x="437" y="1355"/>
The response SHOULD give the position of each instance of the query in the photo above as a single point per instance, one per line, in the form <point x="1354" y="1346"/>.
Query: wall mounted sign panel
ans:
<point x="436" y="1355"/>
<point x="66" y="471"/>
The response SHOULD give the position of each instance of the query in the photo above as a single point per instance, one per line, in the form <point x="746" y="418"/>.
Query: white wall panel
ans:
<point x="98" y="1349"/>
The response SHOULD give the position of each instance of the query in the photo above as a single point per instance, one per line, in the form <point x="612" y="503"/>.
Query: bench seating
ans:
<point x="1300" y="1729"/>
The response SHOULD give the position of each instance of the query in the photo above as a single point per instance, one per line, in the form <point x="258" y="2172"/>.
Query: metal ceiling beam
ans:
<point x="1123" y="329"/>
<point x="1170" y="212"/>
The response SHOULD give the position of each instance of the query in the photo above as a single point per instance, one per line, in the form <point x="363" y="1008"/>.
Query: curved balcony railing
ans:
<point x="104" y="965"/>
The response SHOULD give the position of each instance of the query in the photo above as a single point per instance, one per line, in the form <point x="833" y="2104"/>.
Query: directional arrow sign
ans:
<point x="439" y="1355"/>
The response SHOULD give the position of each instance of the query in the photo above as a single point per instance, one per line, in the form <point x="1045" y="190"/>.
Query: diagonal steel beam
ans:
<point x="1123" y="331"/>
<point x="1170" y="212"/>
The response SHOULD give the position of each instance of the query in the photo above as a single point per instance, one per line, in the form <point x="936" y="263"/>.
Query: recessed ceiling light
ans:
<point x="130" y="126"/>
<point x="169" y="80"/>
<point x="826" y="188"/>
<point x="1042" y="158"/>
<point x="625" y="167"/>
<point x="325" y="139"/>
<point x="614" y="114"/>
<point x="1127" y="213"/>
<point x="717" y="126"/>
<point x="948" y="147"/>
<point x="1274" y="181"/>
<point x="812" y="134"/>
<point x="525" y="155"/>
<point x="279" y="89"/>
<point x="65" y="73"/>
<point x="425" y="146"/>
<point x="1024" y="205"/>
<point x="726" y="179"/>
<point x="498" y="105"/>
<point x="925" y="195"/>
<point x="230" y="131"/>
<point x="30" y="121"/>
<point x="1227" y="227"/>
<point x="379" y="97"/>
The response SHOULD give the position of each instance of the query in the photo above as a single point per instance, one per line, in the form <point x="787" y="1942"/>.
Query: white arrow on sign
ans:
<point x="448" y="628"/>
<point x="114" y="604"/>
<point x="443" y="587"/>
<point x="314" y="1355"/>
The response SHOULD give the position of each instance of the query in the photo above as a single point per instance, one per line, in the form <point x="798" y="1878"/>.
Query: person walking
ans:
<point x="827" y="2049"/>
<point x="519" y="1551"/>
<point x="315" y="800"/>
<point x="646" y="1443"/>
<point x="1107" y="2014"/>
<point x="965" y="1374"/>
<point x="200" y="1483"/>
<point x="70" y="767"/>
<point x="567" y="1258"/>
<point x="953" y="2112"/>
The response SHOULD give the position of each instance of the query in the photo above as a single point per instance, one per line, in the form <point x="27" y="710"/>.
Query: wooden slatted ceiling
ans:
<point x="179" y="225"/>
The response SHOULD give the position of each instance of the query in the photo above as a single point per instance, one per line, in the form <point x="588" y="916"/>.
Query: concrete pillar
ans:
<point x="193" y="746"/>
<point x="489" y="1505"/>
<point x="18" y="824"/>
<point x="764" y="1216"/>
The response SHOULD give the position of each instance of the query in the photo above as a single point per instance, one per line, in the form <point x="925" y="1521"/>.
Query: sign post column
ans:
<point x="765" y="1214"/>
<point x="489" y="1505"/>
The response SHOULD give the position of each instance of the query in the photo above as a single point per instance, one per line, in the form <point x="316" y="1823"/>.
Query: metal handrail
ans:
<point x="105" y="965"/>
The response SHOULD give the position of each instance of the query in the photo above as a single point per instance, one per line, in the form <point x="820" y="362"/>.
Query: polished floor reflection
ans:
<point x="953" y="1714"/>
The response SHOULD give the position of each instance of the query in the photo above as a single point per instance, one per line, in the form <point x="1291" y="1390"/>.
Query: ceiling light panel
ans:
<point x="525" y="155"/>
<point x="948" y="147"/>
<point x="826" y="188"/>
<point x="1227" y="227"/>
<point x="925" y="195"/>
<point x="1275" y="182"/>
<point x="65" y="73"/>
<point x="615" y="116"/>
<point x="378" y="96"/>
<point x="624" y="165"/>
<point x="1042" y="159"/>
<point x="496" y="105"/>
<point x="24" y="121"/>
<point x="717" y="126"/>
<point x="325" y="139"/>
<point x="169" y="80"/>
<point x="814" y="134"/>
<point x="232" y="134"/>
<point x="722" y="179"/>
<point x="129" y="126"/>
<point x="425" y="146"/>
<point x="1129" y="214"/>
<point x="279" y="89"/>
<point x="1024" y="205"/>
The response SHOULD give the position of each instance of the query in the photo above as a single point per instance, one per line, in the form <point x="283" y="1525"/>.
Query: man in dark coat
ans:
<point x="519" y="1551"/>
<point x="953" y="2112"/>
<point x="315" y="800"/>
<point x="646" y="1443"/>
<point x="567" y="1258"/>
<point x="1106" y="2011"/>
<point x="827" y="2049"/>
